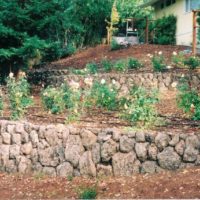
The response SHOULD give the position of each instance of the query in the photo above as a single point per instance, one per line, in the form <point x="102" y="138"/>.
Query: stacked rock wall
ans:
<point x="162" y="81"/>
<point x="69" y="151"/>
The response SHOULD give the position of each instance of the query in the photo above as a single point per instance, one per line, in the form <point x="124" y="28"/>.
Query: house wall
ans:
<point x="184" y="21"/>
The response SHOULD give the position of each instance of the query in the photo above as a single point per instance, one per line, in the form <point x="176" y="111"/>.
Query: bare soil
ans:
<point x="184" y="184"/>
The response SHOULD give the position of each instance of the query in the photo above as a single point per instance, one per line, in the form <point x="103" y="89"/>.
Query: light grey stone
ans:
<point x="24" y="165"/>
<point x="150" y="137"/>
<point x="104" y="170"/>
<point x="48" y="157"/>
<point x="162" y="140"/>
<point x="104" y="136"/>
<point x="49" y="171"/>
<point x="197" y="163"/>
<point x="14" y="151"/>
<point x="24" y="137"/>
<point x="193" y="142"/>
<point x="65" y="170"/>
<point x="34" y="138"/>
<point x="16" y="139"/>
<point x="123" y="164"/>
<point x="51" y="136"/>
<point x="41" y="132"/>
<point x="26" y="149"/>
<point x="141" y="151"/>
<point x="74" y="149"/>
<point x="175" y="140"/>
<point x="149" y="167"/>
<point x="169" y="159"/>
<point x="180" y="147"/>
<point x="190" y="154"/>
<point x="88" y="139"/>
<point x="126" y="144"/>
<point x="152" y="152"/>
<point x="11" y="129"/>
<point x="4" y="155"/>
<point x="19" y="128"/>
<point x="76" y="173"/>
<point x="86" y="165"/>
<point x="140" y="137"/>
<point x="96" y="153"/>
<point x="108" y="149"/>
<point x="34" y="156"/>
<point x="116" y="134"/>
<point x="11" y="166"/>
<point x="6" y="137"/>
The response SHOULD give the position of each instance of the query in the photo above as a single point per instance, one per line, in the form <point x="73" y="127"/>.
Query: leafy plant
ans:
<point x="178" y="59"/>
<point x="139" y="107"/>
<point x="120" y="65"/>
<point x="102" y="96"/>
<point x="92" y="68"/>
<point x="192" y="62"/>
<point x="114" y="45"/>
<point x="19" y="96"/>
<point x="158" y="63"/>
<point x="133" y="63"/>
<point x="107" y="65"/>
<point x="188" y="99"/>
<point x="88" y="193"/>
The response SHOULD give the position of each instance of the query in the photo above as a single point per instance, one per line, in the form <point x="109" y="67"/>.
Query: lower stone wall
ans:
<point x="68" y="151"/>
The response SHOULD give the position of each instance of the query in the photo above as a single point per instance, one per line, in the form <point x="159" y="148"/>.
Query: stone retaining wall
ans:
<point x="68" y="151"/>
<point x="162" y="81"/>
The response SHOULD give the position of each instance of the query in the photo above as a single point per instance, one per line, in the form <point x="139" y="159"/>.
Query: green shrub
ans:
<point x="103" y="96"/>
<point x="178" y="59"/>
<point x="165" y="30"/>
<point x="53" y="99"/>
<point x="114" y="45"/>
<point x="88" y="193"/>
<point x="92" y="68"/>
<point x="120" y="65"/>
<point x="139" y="107"/>
<point x="192" y="62"/>
<point x="133" y="63"/>
<point x="158" y="63"/>
<point x="107" y="65"/>
<point x="188" y="99"/>
<point x="19" y="96"/>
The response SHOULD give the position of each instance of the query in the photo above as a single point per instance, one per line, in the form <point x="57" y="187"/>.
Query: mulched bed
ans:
<point x="184" y="184"/>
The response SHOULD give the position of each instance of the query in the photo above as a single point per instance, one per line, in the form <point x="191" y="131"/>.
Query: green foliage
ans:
<point x="107" y="65"/>
<point x="188" y="99"/>
<point x="19" y="96"/>
<point x="192" y="62"/>
<point x="1" y="102"/>
<point x="88" y="193"/>
<point x="133" y="63"/>
<point x="114" y="45"/>
<point x="165" y="30"/>
<point x="102" y="96"/>
<point x="92" y="68"/>
<point x="158" y="63"/>
<point x="120" y="65"/>
<point x="139" y="107"/>
<point x="178" y="59"/>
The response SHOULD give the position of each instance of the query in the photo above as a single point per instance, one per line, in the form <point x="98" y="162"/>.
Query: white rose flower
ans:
<point x="160" y="53"/>
<point x="174" y="53"/>
<point x="113" y="81"/>
<point x="11" y="75"/>
<point x="103" y="81"/>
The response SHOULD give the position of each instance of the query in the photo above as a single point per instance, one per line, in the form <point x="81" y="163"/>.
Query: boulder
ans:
<point x="150" y="137"/>
<point x="162" y="140"/>
<point x="190" y="154"/>
<point x="86" y="165"/>
<point x="34" y="138"/>
<point x="149" y="167"/>
<point x="126" y="144"/>
<point x="123" y="164"/>
<point x="108" y="149"/>
<point x="51" y="136"/>
<point x="104" y="170"/>
<point x="24" y="165"/>
<point x="88" y="139"/>
<point x="140" y="137"/>
<point x="180" y="147"/>
<point x="16" y="139"/>
<point x="169" y="159"/>
<point x="152" y="152"/>
<point x="175" y="140"/>
<point x="193" y="142"/>
<point x="65" y="170"/>
<point x="141" y="151"/>
<point x="14" y="151"/>
<point x="96" y="153"/>
<point x="26" y="149"/>
<point x="74" y="149"/>
<point x="6" y="138"/>
<point x="49" y="171"/>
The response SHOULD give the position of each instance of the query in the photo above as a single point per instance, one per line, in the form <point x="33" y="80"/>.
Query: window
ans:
<point x="192" y="5"/>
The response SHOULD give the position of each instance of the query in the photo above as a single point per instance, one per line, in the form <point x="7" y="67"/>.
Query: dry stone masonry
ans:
<point x="59" y="150"/>
<point x="124" y="82"/>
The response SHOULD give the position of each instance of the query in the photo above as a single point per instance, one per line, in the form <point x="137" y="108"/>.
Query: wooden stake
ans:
<point x="194" y="43"/>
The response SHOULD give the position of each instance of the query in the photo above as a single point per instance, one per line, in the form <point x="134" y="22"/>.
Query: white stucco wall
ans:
<point x="184" y="21"/>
